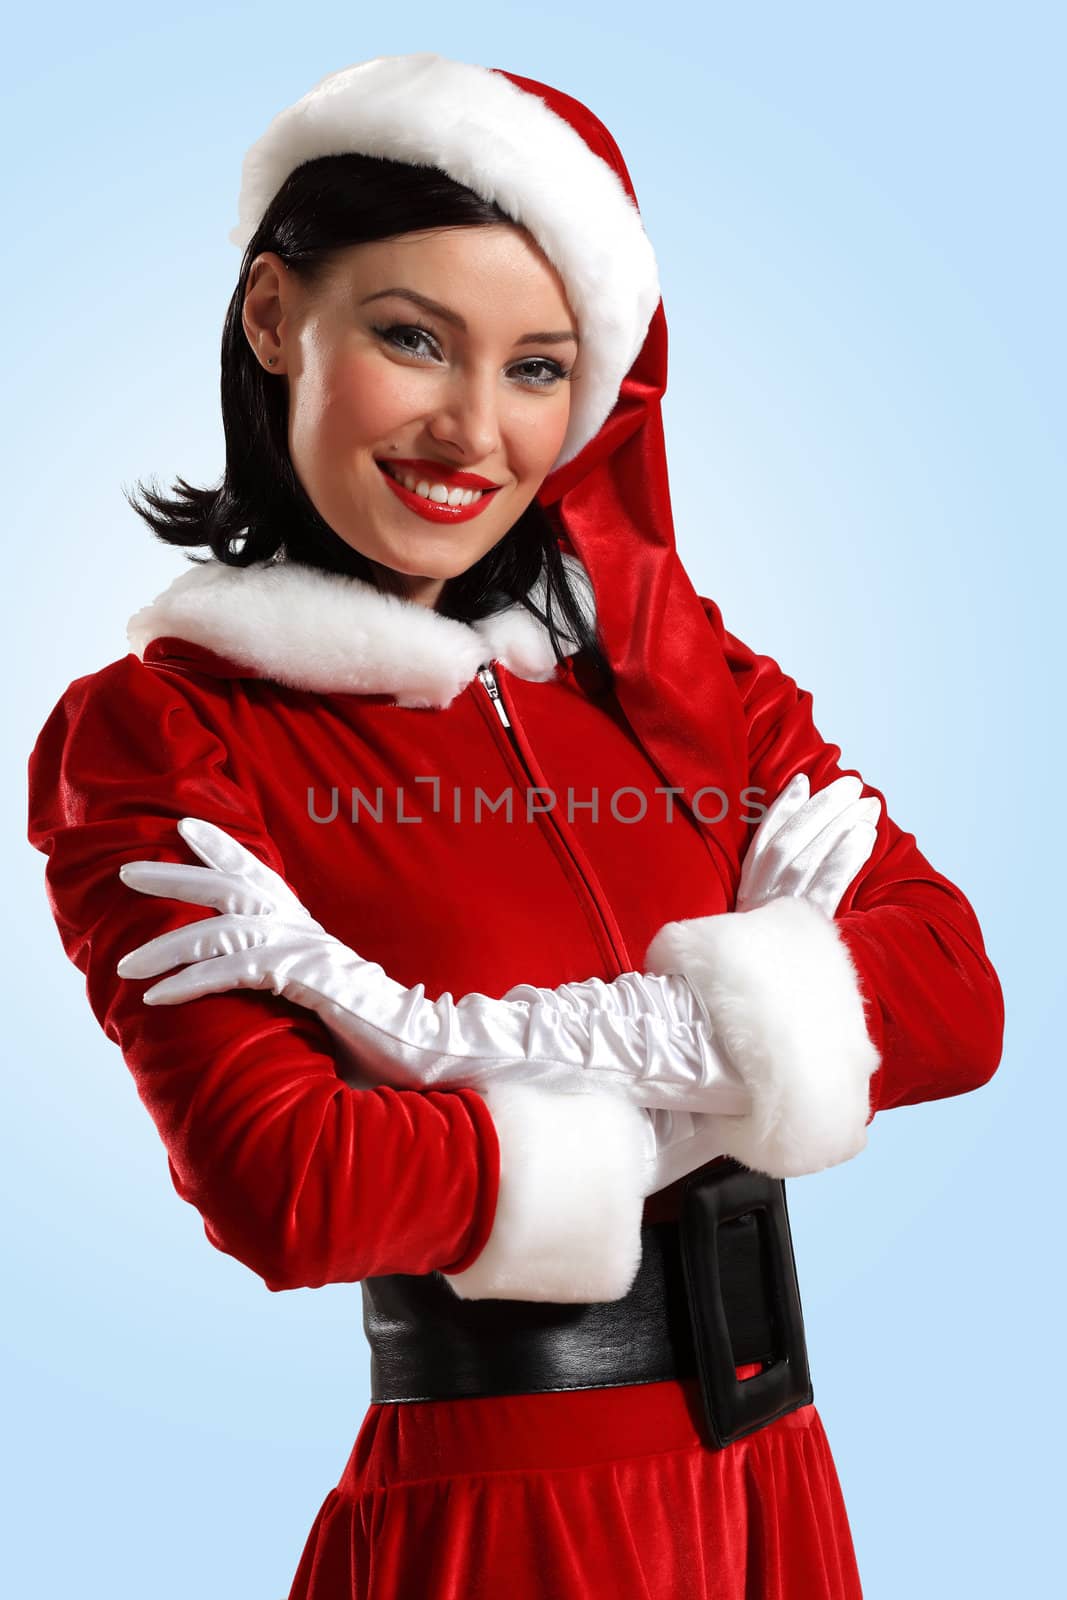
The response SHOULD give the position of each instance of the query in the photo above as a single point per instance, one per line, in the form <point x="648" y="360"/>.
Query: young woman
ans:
<point x="441" y="714"/>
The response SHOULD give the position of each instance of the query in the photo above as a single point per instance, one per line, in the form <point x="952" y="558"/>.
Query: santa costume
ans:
<point x="549" y="1414"/>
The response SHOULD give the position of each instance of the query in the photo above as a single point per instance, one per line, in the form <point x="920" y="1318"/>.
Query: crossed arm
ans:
<point x="648" y="1038"/>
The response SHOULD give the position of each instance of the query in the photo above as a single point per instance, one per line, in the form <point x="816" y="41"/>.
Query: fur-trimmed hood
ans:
<point x="328" y="632"/>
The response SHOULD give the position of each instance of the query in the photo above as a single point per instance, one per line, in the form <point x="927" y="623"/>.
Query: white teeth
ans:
<point x="439" y="493"/>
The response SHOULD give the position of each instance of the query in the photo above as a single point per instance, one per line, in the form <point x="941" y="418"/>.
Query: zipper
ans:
<point x="609" y="929"/>
<point x="492" y="688"/>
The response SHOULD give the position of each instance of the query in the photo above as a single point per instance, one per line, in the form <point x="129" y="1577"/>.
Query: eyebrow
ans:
<point x="458" y="322"/>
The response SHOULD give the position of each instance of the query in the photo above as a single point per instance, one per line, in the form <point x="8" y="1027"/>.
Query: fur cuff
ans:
<point x="784" y="1000"/>
<point x="573" y="1175"/>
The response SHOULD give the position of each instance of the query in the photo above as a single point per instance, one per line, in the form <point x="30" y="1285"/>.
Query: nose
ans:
<point x="468" y="416"/>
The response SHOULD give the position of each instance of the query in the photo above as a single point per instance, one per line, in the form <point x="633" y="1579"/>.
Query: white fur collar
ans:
<point x="330" y="633"/>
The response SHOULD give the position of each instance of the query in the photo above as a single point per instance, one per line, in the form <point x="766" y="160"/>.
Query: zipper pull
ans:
<point x="488" y="678"/>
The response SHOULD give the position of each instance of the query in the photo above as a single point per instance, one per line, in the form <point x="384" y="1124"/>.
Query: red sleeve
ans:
<point x="302" y="1178"/>
<point x="932" y="1000"/>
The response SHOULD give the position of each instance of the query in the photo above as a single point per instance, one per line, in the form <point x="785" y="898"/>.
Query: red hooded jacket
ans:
<point x="347" y="739"/>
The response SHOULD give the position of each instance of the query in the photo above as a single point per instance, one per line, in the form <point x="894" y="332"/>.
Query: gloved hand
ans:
<point x="809" y="846"/>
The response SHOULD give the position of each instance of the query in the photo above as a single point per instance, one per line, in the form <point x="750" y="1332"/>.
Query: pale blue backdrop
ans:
<point x="858" y="215"/>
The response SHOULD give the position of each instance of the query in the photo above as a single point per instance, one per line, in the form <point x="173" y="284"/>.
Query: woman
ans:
<point x="400" y="717"/>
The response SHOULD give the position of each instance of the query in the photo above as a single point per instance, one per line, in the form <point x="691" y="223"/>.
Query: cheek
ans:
<point x="536" y="435"/>
<point x="346" y="404"/>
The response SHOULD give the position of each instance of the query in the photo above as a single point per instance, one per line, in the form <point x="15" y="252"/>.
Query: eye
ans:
<point x="546" y="372"/>
<point x="406" y="336"/>
<point x="537" y="372"/>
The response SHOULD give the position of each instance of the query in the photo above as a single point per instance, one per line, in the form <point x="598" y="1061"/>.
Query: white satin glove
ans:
<point x="809" y="846"/>
<point x="646" y="1038"/>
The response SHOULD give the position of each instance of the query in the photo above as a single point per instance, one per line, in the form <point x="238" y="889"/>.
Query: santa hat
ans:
<point x="549" y="163"/>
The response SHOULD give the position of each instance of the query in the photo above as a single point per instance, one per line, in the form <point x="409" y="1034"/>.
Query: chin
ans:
<point x="437" y="555"/>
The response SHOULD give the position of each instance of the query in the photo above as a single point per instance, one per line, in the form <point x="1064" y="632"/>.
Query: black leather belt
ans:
<point x="715" y="1289"/>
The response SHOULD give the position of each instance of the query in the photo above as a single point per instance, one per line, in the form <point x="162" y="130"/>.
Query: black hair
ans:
<point x="260" y="510"/>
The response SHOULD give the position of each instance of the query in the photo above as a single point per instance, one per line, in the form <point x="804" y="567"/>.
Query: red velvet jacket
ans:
<point x="347" y="739"/>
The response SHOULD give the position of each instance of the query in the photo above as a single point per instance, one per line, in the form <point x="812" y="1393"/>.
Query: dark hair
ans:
<point x="260" y="510"/>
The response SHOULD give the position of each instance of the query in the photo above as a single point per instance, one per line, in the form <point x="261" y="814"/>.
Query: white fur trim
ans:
<point x="330" y="633"/>
<point x="509" y="147"/>
<point x="784" y="999"/>
<point x="573" y="1176"/>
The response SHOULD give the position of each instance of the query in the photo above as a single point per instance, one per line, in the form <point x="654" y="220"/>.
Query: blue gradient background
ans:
<point x="854" y="212"/>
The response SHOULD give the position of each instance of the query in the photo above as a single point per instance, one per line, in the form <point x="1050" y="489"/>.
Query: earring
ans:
<point x="271" y="360"/>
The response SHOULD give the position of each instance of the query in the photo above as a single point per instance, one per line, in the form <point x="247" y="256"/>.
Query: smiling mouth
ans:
<point x="441" y="503"/>
<point x="435" y="493"/>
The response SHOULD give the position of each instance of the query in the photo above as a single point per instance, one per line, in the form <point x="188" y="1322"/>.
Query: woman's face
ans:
<point x="387" y="390"/>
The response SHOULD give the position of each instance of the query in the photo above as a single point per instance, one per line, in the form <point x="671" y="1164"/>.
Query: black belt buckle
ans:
<point x="740" y="1275"/>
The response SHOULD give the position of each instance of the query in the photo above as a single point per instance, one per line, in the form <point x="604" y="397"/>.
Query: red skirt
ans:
<point x="561" y="1496"/>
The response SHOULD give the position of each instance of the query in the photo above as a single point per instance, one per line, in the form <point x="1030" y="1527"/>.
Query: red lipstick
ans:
<point x="433" y="510"/>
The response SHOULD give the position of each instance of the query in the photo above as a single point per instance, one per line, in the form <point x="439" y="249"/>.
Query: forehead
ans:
<point x="488" y="265"/>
